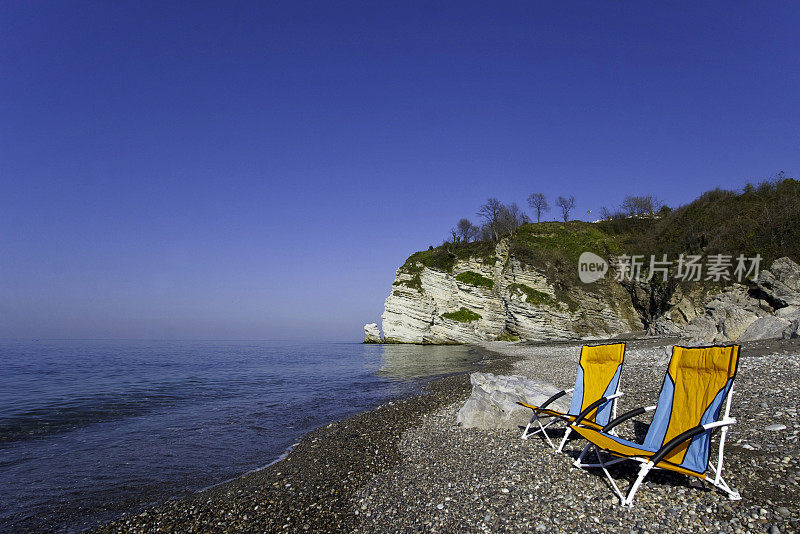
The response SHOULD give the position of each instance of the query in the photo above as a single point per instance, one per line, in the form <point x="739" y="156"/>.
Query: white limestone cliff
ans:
<point x="372" y="334"/>
<point x="521" y="302"/>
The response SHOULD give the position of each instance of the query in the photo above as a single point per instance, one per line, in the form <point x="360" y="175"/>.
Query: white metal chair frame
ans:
<point x="553" y="419"/>
<point x="649" y="464"/>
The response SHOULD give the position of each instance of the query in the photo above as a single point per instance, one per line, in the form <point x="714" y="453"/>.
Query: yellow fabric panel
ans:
<point x="605" y="442"/>
<point x="698" y="375"/>
<point x="568" y="417"/>
<point x="599" y="365"/>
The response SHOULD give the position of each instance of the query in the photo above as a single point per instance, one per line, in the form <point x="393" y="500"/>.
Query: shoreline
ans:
<point x="407" y="466"/>
<point x="311" y="486"/>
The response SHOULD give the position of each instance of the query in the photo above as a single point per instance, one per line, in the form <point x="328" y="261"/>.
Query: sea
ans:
<point x="93" y="429"/>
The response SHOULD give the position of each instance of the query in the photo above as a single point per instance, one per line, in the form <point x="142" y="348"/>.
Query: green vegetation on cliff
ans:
<point x="474" y="279"/>
<point x="554" y="248"/>
<point x="444" y="257"/>
<point x="506" y="336"/>
<point x="533" y="296"/>
<point x="462" y="316"/>
<point x="760" y="219"/>
<point x="412" y="269"/>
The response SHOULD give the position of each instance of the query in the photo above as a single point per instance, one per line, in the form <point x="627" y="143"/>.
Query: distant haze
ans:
<point x="258" y="171"/>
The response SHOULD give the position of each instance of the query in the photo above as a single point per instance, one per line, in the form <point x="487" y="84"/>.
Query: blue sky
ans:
<point x="259" y="170"/>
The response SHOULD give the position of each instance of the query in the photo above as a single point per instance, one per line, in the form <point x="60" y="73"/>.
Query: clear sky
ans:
<point x="259" y="170"/>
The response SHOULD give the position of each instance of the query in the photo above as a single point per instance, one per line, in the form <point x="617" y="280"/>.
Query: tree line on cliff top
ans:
<point x="501" y="220"/>
<point x="761" y="218"/>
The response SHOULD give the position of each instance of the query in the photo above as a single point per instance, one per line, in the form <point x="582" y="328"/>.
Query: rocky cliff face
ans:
<point x="500" y="298"/>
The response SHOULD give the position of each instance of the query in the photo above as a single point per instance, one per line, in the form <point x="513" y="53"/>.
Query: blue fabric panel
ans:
<point x="604" y="411"/>
<point x="696" y="457"/>
<point x="577" y="395"/>
<point x="630" y="443"/>
<point x="658" y="428"/>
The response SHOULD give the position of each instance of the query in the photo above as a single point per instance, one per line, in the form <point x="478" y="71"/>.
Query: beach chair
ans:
<point x="593" y="397"/>
<point x="697" y="383"/>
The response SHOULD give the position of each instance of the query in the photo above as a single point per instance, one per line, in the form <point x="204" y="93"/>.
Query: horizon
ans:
<point x="259" y="172"/>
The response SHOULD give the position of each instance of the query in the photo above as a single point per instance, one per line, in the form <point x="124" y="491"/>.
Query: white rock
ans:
<point x="776" y="427"/>
<point x="372" y="334"/>
<point x="493" y="402"/>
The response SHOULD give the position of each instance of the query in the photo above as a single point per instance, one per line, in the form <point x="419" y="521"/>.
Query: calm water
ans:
<point x="92" y="429"/>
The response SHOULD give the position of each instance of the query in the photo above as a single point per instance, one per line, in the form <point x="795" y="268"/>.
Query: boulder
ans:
<point x="663" y="326"/>
<point x="726" y="317"/>
<point x="702" y="329"/>
<point x="372" y="334"/>
<point x="493" y="402"/>
<point x="780" y="285"/>
<point x="788" y="272"/>
<point x="735" y="323"/>
<point x="768" y="327"/>
<point x="789" y="313"/>
<point x="793" y="330"/>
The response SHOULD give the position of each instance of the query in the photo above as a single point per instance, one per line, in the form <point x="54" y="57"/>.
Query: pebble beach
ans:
<point x="406" y="466"/>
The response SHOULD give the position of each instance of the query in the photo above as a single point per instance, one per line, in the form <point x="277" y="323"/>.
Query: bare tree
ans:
<point x="565" y="205"/>
<point x="643" y="206"/>
<point x="538" y="202"/>
<point x="607" y="214"/>
<point x="454" y="237"/>
<point x="510" y="218"/>
<point x="490" y="213"/>
<point x="465" y="231"/>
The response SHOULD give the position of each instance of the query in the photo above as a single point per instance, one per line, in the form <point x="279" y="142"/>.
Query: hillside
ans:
<point x="761" y="219"/>
<point x="526" y="285"/>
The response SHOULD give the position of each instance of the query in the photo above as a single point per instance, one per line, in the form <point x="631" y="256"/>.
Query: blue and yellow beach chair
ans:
<point x="593" y="397"/>
<point x="698" y="381"/>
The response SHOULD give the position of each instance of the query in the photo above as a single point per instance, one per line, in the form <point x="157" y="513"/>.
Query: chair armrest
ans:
<point x="724" y="422"/>
<point x="553" y="398"/>
<point x="548" y="401"/>
<point x="593" y="406"/>
<point x="674" y="442"/>
<point x="627" y="415"/>
<point x="687" y="435"/>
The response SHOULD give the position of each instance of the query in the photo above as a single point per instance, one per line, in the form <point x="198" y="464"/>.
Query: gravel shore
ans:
<point x="406" y="466"/>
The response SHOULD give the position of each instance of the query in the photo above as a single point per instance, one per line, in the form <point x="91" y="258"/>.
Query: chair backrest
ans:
<point x="697" y="382"/>
<point x="598" y="376"/>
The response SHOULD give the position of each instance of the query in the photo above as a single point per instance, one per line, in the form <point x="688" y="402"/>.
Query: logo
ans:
<point x="591" y="267"/>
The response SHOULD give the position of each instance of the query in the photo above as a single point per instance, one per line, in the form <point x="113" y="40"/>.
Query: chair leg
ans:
<point x="547" y="437"/>
<point x="525" y="434"/>
<point x="632" y="493"/>
<point x="563" y="441"/>
<point x="542" y="428"/>
<point x="577" y="463"/>
<point x="608" y="476"/>
<point x="721" y="484"/>
<point x="718" y="481"/>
